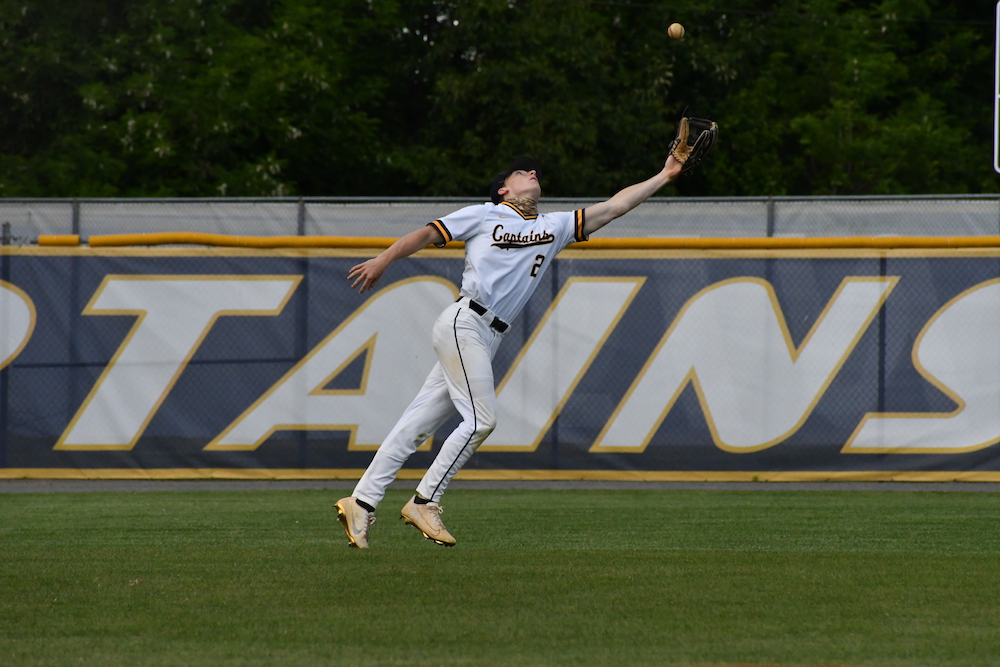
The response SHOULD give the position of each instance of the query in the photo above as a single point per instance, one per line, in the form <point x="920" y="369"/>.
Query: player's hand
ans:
<point x="366" y="274"/>
<point x="672" y="167"/>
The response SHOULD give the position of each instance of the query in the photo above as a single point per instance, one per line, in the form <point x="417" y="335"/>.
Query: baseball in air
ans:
<point x="676" y="31"/>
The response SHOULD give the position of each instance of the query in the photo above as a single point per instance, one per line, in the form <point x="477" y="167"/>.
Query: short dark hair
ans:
<point x="525" y="163"/>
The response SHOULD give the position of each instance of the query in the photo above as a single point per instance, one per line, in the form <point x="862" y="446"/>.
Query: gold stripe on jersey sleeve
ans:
<point x="445" y="234"/>
<point x="580" y="218"/>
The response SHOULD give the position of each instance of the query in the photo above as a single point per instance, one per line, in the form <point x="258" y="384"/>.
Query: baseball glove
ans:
<point x="695" y="138"/>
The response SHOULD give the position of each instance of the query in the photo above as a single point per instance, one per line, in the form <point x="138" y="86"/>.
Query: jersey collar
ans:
<point x="520" y="212"/>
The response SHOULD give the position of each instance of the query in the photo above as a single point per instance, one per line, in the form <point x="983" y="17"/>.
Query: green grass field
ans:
<point x="538" y="578"/>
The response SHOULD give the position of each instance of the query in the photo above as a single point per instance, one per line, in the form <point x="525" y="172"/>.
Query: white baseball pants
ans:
<point x="461" y="380"/>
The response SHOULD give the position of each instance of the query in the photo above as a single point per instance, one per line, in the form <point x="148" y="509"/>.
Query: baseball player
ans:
<point x="508" y="248"/>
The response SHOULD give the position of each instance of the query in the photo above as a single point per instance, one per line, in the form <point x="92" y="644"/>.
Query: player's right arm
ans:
<point x="366" y="274"/>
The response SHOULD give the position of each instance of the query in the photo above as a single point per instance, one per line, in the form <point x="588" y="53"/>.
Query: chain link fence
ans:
<point x="802" y="422"/>
<point x="24" y="220"/>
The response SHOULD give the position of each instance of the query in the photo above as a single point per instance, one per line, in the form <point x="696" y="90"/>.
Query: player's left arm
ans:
<point x="598" y="215"/>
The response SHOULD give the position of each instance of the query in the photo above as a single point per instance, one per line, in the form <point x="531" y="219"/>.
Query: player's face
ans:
<point x="523" y="183"/>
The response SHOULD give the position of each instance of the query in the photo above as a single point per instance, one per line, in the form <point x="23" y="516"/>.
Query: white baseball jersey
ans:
<point x="506" y="252"/>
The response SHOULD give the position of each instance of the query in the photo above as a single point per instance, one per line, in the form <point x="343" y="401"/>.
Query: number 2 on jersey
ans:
<point x="538" y="264"/>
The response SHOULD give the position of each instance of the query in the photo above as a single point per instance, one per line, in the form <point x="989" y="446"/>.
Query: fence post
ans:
<point x="302" y="325"/>
<point x="769" y="261"/>
<point x="554" y="271"/>
<point x="5" y="371"/>
<point x="73" y="353"/>
<point x="4" y="409"/>
<point x="883" y="269"/>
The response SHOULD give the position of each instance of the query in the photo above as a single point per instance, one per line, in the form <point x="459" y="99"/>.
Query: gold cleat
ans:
<point x="427" y="519"/>
<point x="356" y="519"/>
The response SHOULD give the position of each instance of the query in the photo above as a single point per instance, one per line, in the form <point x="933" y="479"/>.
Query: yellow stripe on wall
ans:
<point x="508" y="475"/>
<point x="755" y="243"/>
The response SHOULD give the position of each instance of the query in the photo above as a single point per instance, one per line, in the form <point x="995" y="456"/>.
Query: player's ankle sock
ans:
<point x="420" y="501"/>
<point x="366" y="506"/>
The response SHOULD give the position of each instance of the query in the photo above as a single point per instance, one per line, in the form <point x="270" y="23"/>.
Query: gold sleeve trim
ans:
<point x="445" y="234"/>
<point x="580" y="217"/>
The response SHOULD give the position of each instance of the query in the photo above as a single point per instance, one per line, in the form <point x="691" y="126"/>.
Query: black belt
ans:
<point x="480" y="309"/>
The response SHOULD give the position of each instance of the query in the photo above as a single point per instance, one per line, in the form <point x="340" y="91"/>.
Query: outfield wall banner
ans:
<point x="632" y="365"/>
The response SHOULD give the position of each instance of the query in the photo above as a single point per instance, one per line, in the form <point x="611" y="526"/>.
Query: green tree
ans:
<point x="813" y="96"/>
<point x="432" y="97"/>
<point x="193" y="97"/>
<point x="884" y="98"/>
<point x="585" y="88"/>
